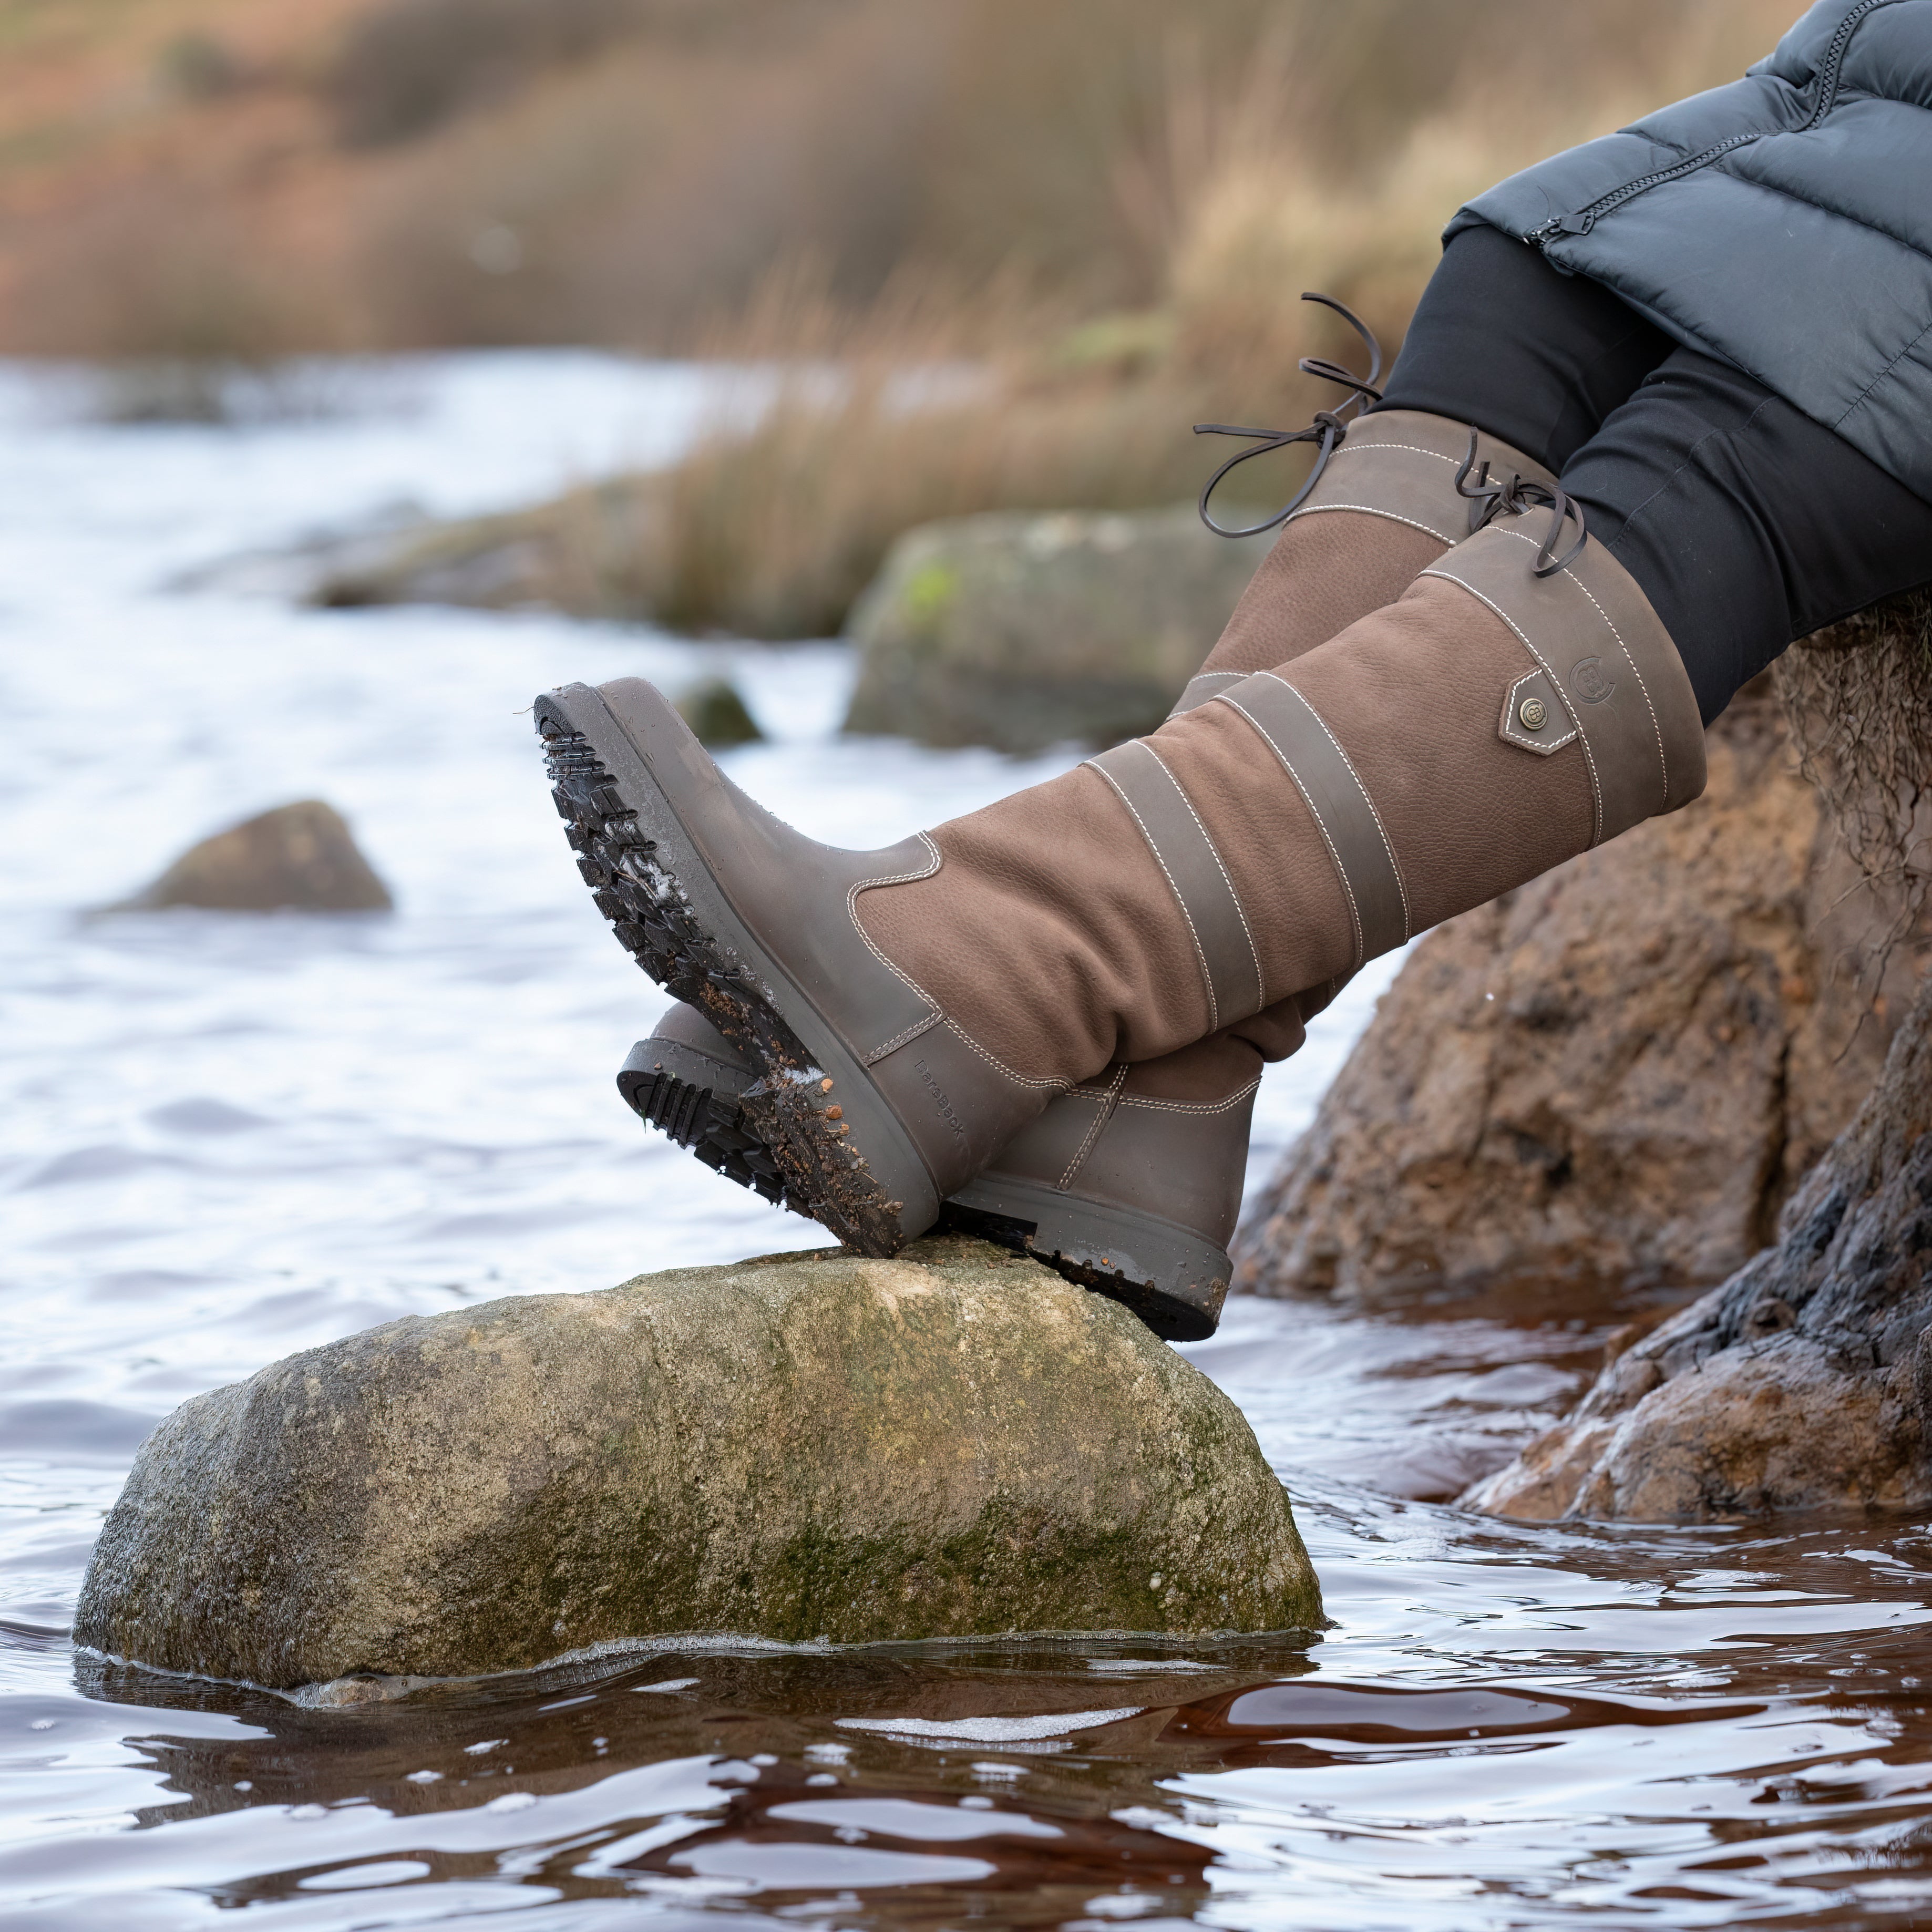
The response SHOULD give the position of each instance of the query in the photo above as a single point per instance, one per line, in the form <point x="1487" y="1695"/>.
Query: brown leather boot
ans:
<point x="1129" y="1184"/>
<point x="1138" y="1215"/>
<point x="1388" y="503"/>
<point x="1507" y="712"/>
<point x="910" y="1011"/>
<point x="1407" y="472"/>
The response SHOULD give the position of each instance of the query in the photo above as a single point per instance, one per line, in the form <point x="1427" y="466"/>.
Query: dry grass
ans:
<point x="1237" y="178"/>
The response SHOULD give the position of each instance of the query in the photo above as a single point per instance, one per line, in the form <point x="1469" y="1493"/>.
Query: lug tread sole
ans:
<point x="785" y="1113"/>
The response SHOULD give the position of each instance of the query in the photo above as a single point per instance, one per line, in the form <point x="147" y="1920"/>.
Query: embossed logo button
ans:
<point x="1590" y="681"/>
<point x="1534" y="713"/>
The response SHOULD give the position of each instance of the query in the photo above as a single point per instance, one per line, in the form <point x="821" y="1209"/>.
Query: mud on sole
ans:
<point x="651" y="914"/>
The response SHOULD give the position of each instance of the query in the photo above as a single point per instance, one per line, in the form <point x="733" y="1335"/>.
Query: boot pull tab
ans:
<point x="1328" y="428"/>
<point x="1516" y="498"/>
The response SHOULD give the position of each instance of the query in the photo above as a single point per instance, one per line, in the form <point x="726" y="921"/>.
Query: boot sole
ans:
<point x="670" y="915"/>
<point x="693" y="1099"/>
<point x="1171" y="1277"/>
<point x="1174" y="1281"/>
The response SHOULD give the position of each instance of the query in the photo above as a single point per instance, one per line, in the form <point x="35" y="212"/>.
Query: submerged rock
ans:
<point x="803" y="1447"/>
<point x="1612" y="1079"/>
<point x="1020" y="631"/>
<point x="1805" y="1381"/>
<point x="300" y="857"/>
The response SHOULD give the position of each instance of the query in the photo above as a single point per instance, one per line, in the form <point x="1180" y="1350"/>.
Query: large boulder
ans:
<point x="300" y="857"/>
<point x="804" y="1446"/>
<point x="1804" y="1382"/>
<point x="1612" y="1079"/>
<point x="1020" y="631"/>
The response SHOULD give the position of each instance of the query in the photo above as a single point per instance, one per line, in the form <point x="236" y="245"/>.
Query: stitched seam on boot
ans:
<point x="898" y="1040"/>
<point x="998" y="1065"/>
<point x="1523" y="636"/>
<point x="1334" y="856"/>
<point x="1375" y="510"/>
<point x="906" y="979"/>
<point x="1402" y="889"/>
<point x="939" y="1016"/>
<point x="1655" y="725"/>
<point x="1363" y="445"/>
<point x="1609" y="625"/>
<point x="1200" y="953"/>
<point x="1102" y="1115"/>
<point x="1247" y="1092"/>
<point x="1240" y="911"/>
<point x="1530" y="744"/>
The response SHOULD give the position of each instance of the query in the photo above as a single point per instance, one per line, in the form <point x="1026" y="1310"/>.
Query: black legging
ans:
<point x="1747" y="524"/>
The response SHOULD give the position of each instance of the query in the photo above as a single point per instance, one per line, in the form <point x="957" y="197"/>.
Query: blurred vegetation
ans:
<point x="1105" y="208"/>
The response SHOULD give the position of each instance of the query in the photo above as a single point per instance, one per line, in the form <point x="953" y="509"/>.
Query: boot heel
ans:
<point x="1170" y="1277"/>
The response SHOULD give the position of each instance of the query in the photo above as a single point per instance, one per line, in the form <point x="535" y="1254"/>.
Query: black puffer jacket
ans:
<point x="1784" y="222"/>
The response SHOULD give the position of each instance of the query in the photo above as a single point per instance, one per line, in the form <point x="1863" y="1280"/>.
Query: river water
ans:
<point x="223" y="1138"/>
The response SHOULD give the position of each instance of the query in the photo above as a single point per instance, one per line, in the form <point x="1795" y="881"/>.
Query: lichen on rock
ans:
<point x="1018" y="630"/>
<point x="803" y="1447"/>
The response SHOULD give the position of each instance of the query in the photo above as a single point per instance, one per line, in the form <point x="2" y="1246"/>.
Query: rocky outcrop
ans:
<point x="800" y="1447"/>
<point x="1805" y="1381"/>
<point x="1020" y="631"/>
<point x="1612" y="1079"/>
<point x="299" y="857"/>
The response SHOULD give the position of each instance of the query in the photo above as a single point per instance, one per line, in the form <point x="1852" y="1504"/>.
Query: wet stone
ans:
<point x="797" y="1448"/>
<point x="299" y="857"/>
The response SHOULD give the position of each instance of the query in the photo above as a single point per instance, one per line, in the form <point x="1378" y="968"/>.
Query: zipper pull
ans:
<point x="1560" y="224"/>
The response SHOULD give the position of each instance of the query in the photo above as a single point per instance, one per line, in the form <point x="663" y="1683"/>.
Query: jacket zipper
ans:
<point x="1586" y="218"/>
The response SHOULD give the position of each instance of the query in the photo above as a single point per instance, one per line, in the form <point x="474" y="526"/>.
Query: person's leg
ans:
<point x="1501" y="343"/>
<point x="1748" y="525"/>
<point x="1523" y="700"/>
<point x="1532" y="356"/>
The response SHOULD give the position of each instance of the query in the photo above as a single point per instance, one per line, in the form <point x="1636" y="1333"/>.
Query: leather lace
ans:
<point x="1328" y="429"/>
<point x="1489" y="500"/>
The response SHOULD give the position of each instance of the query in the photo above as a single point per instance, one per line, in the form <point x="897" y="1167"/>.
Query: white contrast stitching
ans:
<point x="1335" y="857"/>
<point x="852" y="913"/>
<point x="1201" y="1107"/>
<point x="1200" y="952"/>
<point x="1555" y="744"/>
<point x="999" y="1065"/>
<point x="1589" y="761"/>
<point x="1102" y="1115"/>
<point x="1402" y="891"/>
<point x="1361" y="445"/>
<point x="1375" y="510"/>
<point x="1247" y="933"/>
<point x="899" y="1039"/>
<point x="1657" y="728"/>
<point x="939" y="1013"/>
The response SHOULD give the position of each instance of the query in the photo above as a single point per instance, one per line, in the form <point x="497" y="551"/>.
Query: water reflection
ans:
<point x="1725" y="1768"/>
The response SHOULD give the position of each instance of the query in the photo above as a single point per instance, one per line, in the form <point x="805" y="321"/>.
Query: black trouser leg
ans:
<point x="1746" y="524"/>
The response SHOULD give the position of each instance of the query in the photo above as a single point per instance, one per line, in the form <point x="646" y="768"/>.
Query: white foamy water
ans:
<point x="223" y="1138"/>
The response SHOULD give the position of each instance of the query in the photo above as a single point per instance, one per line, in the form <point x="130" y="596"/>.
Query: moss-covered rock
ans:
<point x="1019" y="632"/>
<point x="803" y="1447"/>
